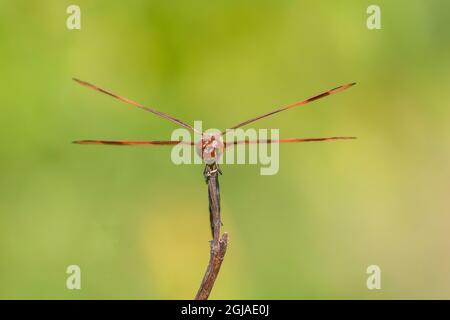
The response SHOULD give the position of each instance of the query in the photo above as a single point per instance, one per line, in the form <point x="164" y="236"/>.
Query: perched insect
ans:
<point x="210" y="147"/>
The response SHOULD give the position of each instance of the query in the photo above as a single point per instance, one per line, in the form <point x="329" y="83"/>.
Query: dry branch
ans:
<point x="218" y="250"/>
<point x="218" y="245"/>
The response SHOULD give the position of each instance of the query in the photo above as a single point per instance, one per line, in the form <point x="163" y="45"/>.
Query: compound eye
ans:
<point x="210" y="149"/>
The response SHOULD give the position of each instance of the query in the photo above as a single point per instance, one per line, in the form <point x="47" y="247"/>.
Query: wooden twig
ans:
<point x="217" y="254"/>
<point x="218" y="245"/>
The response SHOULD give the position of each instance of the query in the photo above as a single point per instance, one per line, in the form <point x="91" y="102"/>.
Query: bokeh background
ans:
<point x="137" y="224"/>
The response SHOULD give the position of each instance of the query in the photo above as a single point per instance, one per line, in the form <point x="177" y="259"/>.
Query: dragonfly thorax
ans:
<point x="210" y="148"/>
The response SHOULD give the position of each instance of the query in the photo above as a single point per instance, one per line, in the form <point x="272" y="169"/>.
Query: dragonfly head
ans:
<point x="210" y="148"/>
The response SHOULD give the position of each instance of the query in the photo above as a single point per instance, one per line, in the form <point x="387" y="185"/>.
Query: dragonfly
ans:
<point x="211" y="146"/>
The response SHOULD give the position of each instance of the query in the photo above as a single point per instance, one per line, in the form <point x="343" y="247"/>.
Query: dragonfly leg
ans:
<point x="210" y="169"/>
<point x="206" y="174"/>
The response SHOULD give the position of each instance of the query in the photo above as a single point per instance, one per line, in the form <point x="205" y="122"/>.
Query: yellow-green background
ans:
<point x="137" y="225"/>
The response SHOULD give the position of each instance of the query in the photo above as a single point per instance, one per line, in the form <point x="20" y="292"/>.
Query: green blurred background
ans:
<point x="138" y="225"/>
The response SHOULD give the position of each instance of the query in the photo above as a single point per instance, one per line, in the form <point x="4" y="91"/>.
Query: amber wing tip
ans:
<point x="349" y="85"/>
<point x="83" y="83"/>
<point x="344" y="138"/>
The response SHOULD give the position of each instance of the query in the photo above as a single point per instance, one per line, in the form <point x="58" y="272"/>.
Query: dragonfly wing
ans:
<point x="134" y="103"/>
<point x="133" y="143"/>
<point x="286" y="140"/>
<point x="316" y="97"/>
